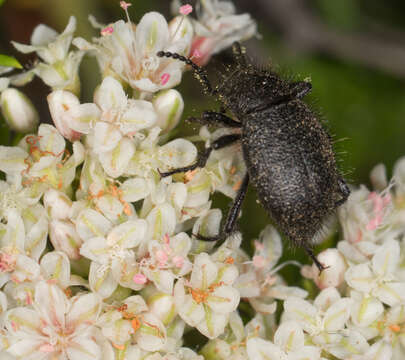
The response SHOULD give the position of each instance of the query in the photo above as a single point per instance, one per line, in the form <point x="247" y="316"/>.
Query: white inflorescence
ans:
<point x="97" y="254"/>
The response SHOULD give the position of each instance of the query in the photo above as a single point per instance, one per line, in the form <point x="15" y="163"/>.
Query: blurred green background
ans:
<point x="353" y="50"/>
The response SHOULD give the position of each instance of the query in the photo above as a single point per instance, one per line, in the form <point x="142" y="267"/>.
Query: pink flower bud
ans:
<point x="186" y="9"/>
<point x="204" y="47"/>
<point x="18" y="111"/>
<point x="139" y="279"/>
<point x="60" y="102"/>
<point x="64" y="238"/>
<point x="124" y="5"/>
<point x="57" y="205"/>
<point x="334" y="273"/>
<point x="107" y="31"/>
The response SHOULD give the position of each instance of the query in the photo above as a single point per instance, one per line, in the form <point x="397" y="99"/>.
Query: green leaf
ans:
<point x="9" y="61"/>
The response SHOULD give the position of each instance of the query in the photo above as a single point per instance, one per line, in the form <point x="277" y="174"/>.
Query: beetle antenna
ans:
<point x="199" y="72"/>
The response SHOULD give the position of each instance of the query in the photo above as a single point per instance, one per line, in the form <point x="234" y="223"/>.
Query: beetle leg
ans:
<point x="216" y="118"/>
<point x="219" y="143"/>
<point x="300" y="88"/>
<point x="232" y="216"/>
<point x="314" y="258"/>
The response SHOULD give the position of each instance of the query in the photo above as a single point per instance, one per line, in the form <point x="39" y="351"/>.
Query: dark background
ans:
<point x="353" y="50"/>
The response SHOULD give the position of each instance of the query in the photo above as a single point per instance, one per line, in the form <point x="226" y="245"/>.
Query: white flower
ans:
<point x="288" y="345"/>
<point x="112" y="121"/>
<point x="206" y="301"/>
<point x="217" y="27"/>
<point x="133" y="320"/>
<point x="131" y="54"/>
<point x="55" y="326"/>
<point x="111" y="253"/>
<point x="59" y="67"/>
<point x="378" y="277"/>
<point x="325" y="322"/>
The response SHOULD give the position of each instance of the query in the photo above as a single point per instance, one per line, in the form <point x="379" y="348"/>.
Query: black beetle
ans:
<point x="288" y="154"/>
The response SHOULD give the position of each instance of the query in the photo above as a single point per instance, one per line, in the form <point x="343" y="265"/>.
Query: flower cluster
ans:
<point x="98" y="257"/>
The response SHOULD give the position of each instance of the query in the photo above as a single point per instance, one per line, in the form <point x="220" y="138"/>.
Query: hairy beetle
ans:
<point x="288" y="154"/>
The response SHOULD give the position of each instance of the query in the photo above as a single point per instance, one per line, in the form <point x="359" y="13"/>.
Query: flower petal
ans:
<point x="259" y="349"/>
<point x="110" y="95"/>
<point x="224" y="299"/>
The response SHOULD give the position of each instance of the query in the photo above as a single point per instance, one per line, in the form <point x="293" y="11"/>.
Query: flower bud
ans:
<point x="57" y="205"/>
<point x="335" y="265"/>
<point x="60" y="102"/>
<point x="18" y="111"/>
<point x="169" y="106"/>
<point x="64" y="238"/>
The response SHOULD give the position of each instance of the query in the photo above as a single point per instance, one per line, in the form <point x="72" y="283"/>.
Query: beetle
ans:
<point x="288" y="154"/>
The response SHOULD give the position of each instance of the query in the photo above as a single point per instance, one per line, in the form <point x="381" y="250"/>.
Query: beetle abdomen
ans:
<point x="290" y="161"/>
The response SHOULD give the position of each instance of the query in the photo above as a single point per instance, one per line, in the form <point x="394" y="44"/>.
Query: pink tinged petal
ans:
<point x="115" y="162"/>
<point x="23" y="321"/>
<point x="91" y="223"/>
<point x="107" y="31"/>
<point x="101" y="280"/>
<point x="64" y="237"/>
<point x="106" y="137"/>
<point x="12" y="159"/>
<point x="259" y="349"/>
<point x="83" y="348"/>
<point x="302" y="312"/>
<point x="386" y="259"/>
<point x="47" y="348"/>
<point x="140" y="279"/>
<point x="337" y="315"/>
<point x="289" y="336"/>
<point x="152" y="34"/>
<point x="390" y="293"/>
<point x="139" y="115"/>
<point x="110" y="95"/>
<point x="52" y="304"/>
<point x="128" y="235"/>
<point x="85" y="310"/>
<point x="224" y="299"/>
<point x="326" y="298"/>
<point x="178" y="261"/>
<point x="83" y="117"/>
<point x="196" y="54"/>
<point x="204" y="272"/>
<point x="60" y="102"/>
<point x="360" y="277"/>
